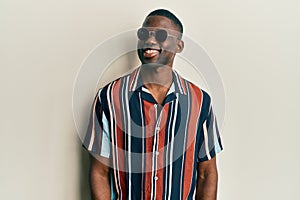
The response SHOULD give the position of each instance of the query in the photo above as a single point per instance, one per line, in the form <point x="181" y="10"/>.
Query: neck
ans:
<point x="157" y="77"/>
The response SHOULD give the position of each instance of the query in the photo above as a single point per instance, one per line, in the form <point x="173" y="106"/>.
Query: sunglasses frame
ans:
<point x="154" y="33"/>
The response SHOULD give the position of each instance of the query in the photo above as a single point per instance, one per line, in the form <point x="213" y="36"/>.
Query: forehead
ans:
<point x="160" y="22"/>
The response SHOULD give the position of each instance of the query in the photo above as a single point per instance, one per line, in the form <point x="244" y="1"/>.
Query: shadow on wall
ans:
<point x="84" y="175"/>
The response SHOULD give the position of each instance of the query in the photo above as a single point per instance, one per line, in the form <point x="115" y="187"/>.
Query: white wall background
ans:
<point x="255" y="45"/>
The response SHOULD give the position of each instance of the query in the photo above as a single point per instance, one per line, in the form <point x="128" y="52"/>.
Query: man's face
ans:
<point x="152" y="50"/>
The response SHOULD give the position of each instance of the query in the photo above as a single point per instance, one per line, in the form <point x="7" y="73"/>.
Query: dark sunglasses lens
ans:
<point x="161" y="35"/>
<point x="143" y="34"/>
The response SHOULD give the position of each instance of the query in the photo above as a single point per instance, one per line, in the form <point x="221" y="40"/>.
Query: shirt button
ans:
<point x="157" y="153"/>
<point x="157" y="128"/>
<point x="155" y="105"/>
<point x="156" y="178"/>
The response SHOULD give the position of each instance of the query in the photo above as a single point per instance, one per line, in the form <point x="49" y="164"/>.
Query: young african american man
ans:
<point x="153" y="134"/>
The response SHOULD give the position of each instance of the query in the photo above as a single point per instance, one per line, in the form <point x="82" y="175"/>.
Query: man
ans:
<point x="153" y="134"/>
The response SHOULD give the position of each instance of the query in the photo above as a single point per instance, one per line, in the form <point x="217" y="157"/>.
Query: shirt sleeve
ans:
<point x="97" y="138"/>
<point x="210" y="139"/>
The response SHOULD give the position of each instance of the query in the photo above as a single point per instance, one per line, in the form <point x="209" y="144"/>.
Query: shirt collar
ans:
<point x="178" y="85"/>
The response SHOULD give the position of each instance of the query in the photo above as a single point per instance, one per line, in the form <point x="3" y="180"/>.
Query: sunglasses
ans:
<point x="160" y="35"/>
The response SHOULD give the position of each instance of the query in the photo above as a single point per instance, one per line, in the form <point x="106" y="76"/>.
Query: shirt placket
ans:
<point x="155" y="150"/>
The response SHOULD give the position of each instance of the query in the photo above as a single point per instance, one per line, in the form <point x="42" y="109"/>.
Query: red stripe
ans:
<point x="120" y="138"/>
<point x="150" y="121"/>
<point x="182" y="84"/>
<point x="196" y="101"/>
<point x="161" y="148"/>
<point x="132" y="78"/>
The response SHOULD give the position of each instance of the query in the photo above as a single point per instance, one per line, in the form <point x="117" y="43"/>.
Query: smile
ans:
<point x="149" y="53"/>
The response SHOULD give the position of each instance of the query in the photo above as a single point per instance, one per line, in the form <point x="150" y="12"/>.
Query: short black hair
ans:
<point x="169" y="15"/>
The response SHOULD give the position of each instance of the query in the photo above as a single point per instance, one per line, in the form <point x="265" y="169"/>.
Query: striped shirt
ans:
<point x="154" y="149"/>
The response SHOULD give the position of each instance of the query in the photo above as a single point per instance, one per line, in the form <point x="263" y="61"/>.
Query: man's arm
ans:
<point x="99" y="178"/>
<point x="207" y="180"/>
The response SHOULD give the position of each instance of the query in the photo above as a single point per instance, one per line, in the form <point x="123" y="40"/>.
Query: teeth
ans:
<point x="150" y="51"/>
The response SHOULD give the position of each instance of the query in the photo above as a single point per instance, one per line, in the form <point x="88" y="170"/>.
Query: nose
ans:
<point x="151" y="40"/>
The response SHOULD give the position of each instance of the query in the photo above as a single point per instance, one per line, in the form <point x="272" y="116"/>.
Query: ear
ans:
<point x="180" y="46"/>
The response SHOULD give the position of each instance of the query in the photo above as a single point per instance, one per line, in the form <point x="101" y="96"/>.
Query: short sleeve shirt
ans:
<point x="154" y="149"/>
